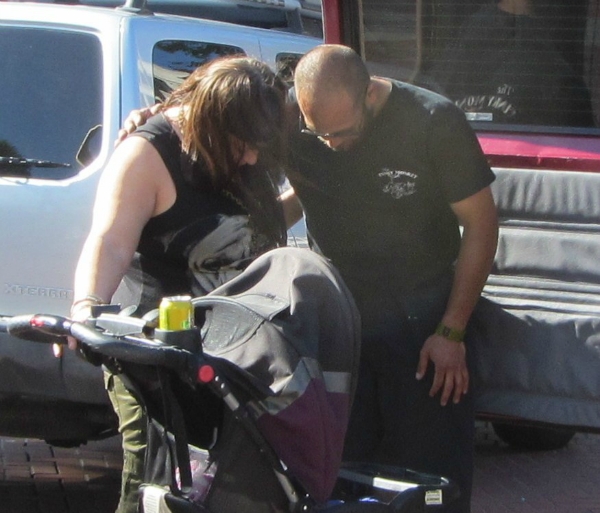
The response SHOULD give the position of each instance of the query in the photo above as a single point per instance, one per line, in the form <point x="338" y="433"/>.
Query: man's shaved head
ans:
<point x="326" y="71"/>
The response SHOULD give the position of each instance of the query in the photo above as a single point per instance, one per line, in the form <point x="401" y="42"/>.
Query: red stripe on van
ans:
<point x="560" y="152"/>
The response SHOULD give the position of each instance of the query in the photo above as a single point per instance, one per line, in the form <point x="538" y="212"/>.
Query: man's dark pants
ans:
<point x="394" y="421"/>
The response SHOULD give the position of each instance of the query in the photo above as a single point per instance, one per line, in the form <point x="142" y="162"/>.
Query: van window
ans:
<point x="174" y="60"/>
<point x="51" y="98"/>
<point x="312" y="25"/>
<point x="520" y="64"/>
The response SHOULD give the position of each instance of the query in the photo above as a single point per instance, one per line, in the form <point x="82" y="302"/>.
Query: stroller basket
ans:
<point x="271" y="368"/>
<point x="360" y="488"/>
<point x="399" y="489"/>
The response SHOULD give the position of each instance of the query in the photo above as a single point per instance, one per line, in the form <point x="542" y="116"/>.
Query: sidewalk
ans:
<point x="562" y="481"/>
<point x="38" y="478"/>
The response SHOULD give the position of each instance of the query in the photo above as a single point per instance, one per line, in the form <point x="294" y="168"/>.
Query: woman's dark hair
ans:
<point x="226" y="104"/>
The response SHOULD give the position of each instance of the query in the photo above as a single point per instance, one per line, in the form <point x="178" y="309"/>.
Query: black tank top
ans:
<point x="207" y="236"/>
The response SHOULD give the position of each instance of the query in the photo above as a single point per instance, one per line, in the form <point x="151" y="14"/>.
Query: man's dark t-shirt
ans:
<point x="381" y="210"/>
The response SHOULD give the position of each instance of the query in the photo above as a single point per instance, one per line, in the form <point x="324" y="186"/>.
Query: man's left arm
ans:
<point x="478" y="217"/>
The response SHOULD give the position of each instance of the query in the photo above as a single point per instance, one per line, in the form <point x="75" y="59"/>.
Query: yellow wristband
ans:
<point x="450" y="333"/>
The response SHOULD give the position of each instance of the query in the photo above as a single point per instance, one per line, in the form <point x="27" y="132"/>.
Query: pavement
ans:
<point x="511" y="481"/>
<point x="39" y="478"/>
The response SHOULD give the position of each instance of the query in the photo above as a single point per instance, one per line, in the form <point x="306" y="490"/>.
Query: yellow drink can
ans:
<point x="176" y="313"/>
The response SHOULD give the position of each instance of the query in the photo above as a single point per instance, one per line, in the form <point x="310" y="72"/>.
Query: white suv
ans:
<point x="70" y="75"/>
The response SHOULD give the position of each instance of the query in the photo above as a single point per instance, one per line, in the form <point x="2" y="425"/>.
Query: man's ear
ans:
<point x="378" y="92"/>
<point x="371" y="97"/>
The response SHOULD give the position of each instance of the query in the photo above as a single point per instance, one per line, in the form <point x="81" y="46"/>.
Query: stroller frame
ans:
<point x="402" y="490"/>
<point x="130" y="343"/>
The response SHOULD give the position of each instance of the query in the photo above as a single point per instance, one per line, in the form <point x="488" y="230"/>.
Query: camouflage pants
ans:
<point x="133" y="428"/>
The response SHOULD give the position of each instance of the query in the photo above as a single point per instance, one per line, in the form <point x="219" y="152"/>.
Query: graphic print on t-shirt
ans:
<point x="222" y="253"/>
<point x="398" y="183"/>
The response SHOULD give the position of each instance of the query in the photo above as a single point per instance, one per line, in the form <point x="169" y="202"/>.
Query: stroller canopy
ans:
<point x="290" y="327"/>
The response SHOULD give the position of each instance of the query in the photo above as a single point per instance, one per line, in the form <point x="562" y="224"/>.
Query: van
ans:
<point x="526" y="73"/>
<point x="75" y="73"/>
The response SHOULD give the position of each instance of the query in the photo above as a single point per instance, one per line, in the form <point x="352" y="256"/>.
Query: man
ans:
<point x="386" y="172"/>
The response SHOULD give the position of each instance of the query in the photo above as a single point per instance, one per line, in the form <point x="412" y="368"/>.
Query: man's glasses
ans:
<point x="347" y="133"/>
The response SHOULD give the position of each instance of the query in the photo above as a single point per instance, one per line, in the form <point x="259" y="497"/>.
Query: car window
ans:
<point x="285" y="63"/>
<point x="522" y="65"/>
<point x="51" y="85"/>
<point x="174" y="60"/>
<point x="312" y="26"/>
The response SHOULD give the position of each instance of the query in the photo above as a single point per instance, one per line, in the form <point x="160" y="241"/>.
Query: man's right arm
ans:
<point x="136" y="119"/>
<point x="292" y="208"/>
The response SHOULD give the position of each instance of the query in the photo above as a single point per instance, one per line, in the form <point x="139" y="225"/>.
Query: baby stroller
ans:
<point x="248" y="409"/>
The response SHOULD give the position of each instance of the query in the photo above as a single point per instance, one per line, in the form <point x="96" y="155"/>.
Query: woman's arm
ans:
<point x="134" y="187"/>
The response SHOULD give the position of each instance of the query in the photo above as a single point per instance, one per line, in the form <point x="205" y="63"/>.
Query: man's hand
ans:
<point x="449" y="360"/>
<point x="136" y="119"/>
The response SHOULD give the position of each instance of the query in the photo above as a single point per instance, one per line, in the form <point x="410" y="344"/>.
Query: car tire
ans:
<point x="533" y="438"/>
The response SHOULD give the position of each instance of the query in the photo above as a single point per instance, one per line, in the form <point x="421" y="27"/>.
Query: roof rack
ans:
<point x="136" y="6"/>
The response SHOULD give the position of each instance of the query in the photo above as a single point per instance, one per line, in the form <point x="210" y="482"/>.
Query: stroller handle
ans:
<point x="52" y="329"/>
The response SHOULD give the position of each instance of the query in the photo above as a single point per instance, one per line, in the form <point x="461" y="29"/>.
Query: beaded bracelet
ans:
<point x="88" y="300"/>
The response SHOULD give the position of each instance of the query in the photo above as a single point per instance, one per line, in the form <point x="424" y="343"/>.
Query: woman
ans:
<point x="185" y="204"/>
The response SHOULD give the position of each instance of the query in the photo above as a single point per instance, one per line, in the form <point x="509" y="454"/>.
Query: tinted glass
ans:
<point x="511" y="63"/>
<point x="286" y="64"/>
<point x="312" y="26"/>
<point x="173" y="61"/>
<point x="51" y="85"/>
